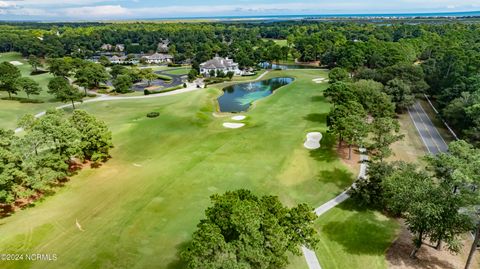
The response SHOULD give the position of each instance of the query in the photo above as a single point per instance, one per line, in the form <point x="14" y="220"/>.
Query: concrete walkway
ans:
<point x="310" y="256"/>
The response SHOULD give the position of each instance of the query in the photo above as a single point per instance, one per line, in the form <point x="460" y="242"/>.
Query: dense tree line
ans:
<point x="46" y="154"/>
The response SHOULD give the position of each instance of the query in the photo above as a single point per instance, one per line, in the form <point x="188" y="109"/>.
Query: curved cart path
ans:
<point x="310" y="256"/>
<point x="102" y="97"/>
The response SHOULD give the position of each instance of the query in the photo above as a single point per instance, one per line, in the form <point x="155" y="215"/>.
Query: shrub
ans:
<point x="153" y="114"/>
<point x="184" y="85"/>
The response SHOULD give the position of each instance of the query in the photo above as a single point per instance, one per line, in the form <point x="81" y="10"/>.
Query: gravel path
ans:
<point x="310" y="256"/>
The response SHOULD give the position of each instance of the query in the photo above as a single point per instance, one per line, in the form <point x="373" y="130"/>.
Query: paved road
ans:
<point x="431" y="138"/>
<point x="310" y="256"/>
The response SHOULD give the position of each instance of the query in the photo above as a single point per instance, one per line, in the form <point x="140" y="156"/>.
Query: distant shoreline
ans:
<point x="419" y="15"/>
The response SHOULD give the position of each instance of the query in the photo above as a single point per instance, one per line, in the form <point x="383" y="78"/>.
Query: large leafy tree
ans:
<point x="95" y="137"/>
<point x="123" y="83"/>
<point x="63" y="91"/>
<point x="385" y="132"/>
<point x="35" y="62"/>
<point x="61" y="67"/>
<point x="90" y="75"/>
<point x="401" y="94"/>
<point x="29" y="86"/>
<point x="242" y="230"/>
<point x="8" y="78"/>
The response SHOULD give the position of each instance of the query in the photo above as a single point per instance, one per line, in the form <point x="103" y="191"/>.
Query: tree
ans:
<point x="401" y="94"/>
<point x="242" y="230"/>
<point x="34" y="62"/>
<point x="346" y="116"/>
<point x="91" y="75"/>
<point x="384" y="133"/>
<point x="60" y="67"/>
<point x="431" y="209"/>
<point x="340" y="93"/>
<point x="230" y="75"/>
<point x="122" y="83"/>
<point x="117" y="70"/>
<point x="355" y="130"/>
<point x="369" y="191"/>
<point x="29" y="86"/>
<point x="338" y="74"/>
<point x="63" y="91"/>
<point x="411" y="192"/>
<point x="148" y="74"/>
<point x="11" y="172"/>
<point x="8" y="78"/>
<point x="103" y="60"/>
<point x="192" y="75"/>
<point x="95" y="138"/>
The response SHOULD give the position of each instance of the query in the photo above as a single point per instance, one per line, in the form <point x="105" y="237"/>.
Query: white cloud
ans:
<point x="108" y="11"/>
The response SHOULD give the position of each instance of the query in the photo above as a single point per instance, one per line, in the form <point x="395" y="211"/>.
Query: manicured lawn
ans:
<point x="354" y="238"/>
<point x="141" y="207"/>
<point x="11" y="110"/>
<point x="179" y="71"/>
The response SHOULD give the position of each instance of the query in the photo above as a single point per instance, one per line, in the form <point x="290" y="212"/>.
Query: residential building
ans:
<point x="219" y="64"/>
<point x="158" y="58"/>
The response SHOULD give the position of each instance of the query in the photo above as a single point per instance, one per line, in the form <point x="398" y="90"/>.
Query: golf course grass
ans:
<point x="351" y="237"/>
<point x="11" y="110"/>
<point x="178" y="71"/>
<point x="141" y="207"/>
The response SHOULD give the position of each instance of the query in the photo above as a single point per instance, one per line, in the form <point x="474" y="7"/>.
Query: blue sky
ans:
<point x="138" y="9"/>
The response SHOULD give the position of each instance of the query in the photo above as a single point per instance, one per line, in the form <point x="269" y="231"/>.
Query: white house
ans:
<point x="122" y="60"/>
<point x="219" y="64"/>
<point x="158" y="58"/>
<point x="106" y="47"/>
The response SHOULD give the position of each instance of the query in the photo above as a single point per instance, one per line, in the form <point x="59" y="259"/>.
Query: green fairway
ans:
<point x="280" y="42"/>
<point x="354" y="238"/>
<point x="178" y="71"/>
<point x="138" y="209"/>
<point x="11" y="110"/>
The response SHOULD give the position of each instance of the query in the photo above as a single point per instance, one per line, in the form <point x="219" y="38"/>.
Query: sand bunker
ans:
<point x="239" y="117"/>
<point x="319" y="80"/>
<point x="16" y="63"/>
<point x="313" y="140"/>
<point x="232" y="125"/>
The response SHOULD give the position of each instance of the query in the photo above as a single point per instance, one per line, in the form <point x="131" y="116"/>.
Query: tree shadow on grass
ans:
<point x="339" y="177"/>
<point x="362" y="232"/>
<point x="179" y="263"/>
<point x="316" y="117"/>
<point x="326" y="152"/>
<point x="318" y="98"/>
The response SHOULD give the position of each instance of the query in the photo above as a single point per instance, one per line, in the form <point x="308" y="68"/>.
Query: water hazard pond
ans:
<point x="239" y="97"/>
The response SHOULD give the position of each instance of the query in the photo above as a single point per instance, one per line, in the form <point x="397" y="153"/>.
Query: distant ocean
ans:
<point x="324" y="16"/>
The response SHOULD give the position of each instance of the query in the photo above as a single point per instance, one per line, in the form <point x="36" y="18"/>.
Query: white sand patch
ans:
<point x="313" y="140"/>
<point x="137" y="165"/>
<point x="319" y="80"/>
<point x="232" y="125"/>
<point x="239" y="117"/>
<point x="16" y="63"/>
